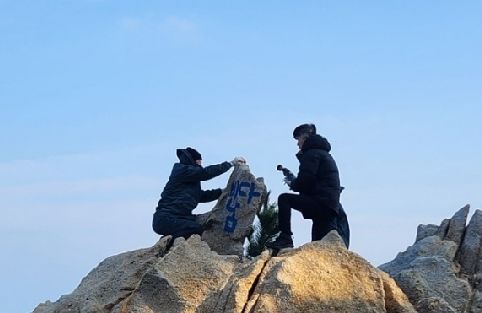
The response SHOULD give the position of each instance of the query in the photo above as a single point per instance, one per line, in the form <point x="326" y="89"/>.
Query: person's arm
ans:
<point x="210" y="195"/>
<point x="197" y="173"/>
<point x="306" y="178"/>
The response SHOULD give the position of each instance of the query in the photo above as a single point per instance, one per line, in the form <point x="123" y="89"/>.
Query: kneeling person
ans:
<point x="318" y="185"/>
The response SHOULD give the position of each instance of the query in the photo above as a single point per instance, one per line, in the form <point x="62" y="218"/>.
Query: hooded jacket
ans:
<point x="318" y="174"/>
<point x="182" y="192"/>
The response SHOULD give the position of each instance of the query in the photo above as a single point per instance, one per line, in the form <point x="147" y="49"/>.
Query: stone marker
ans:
<point x="232" y="217"/>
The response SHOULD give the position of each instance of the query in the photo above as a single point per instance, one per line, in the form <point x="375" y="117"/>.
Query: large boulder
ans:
<point x="323" y="276"/>
<point x="441" y="271"/>
<point x="186" y="278"/>
<point x="432" y="278"/>
<point x="111" y="282"/>
<point x="428" y="247"/>
<point x="232" y="217"/>
<point x="317" y="277"/>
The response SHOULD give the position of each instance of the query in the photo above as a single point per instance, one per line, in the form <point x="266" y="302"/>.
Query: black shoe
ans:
<point x="283" y="241"/>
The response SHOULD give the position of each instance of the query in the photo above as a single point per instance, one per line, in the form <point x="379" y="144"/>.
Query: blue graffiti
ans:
<point x="232" y="205"/>
<point x="238" y="189"/>
<point x="253" y="193"/>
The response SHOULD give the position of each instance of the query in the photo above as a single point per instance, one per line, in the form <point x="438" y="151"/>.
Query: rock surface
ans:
<point x="186" y="278"/>
<point x="110" y="283"/>
<point x="469" y="256"/>
<point x="320" y="276"/>
<point x="234" y="213"/>
<point x="441" y="271"/>
<point x="323" y="276"/>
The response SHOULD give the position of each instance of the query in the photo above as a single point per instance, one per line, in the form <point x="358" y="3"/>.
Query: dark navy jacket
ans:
<point x="182" y="192"/>
<point x="318" y="174"/>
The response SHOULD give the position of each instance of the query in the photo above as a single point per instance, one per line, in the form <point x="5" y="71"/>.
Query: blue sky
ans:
<point x="96" y="95"/>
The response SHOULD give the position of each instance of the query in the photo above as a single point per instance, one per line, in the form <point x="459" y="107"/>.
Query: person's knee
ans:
<point x="284" y="198"/>
<point x="156" y="225"/>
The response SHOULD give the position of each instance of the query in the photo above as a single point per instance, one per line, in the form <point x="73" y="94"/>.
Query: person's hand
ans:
<point x="238" y="161"/>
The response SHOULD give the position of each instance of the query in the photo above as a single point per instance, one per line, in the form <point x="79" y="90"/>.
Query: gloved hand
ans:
<point x="238" y="161"/>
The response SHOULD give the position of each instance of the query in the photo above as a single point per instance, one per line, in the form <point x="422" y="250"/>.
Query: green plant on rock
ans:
<point x="265" y="228"/>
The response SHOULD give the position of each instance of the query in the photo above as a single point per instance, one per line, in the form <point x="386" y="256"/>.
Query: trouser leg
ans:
<point x="323" y="225"/>
<point x="186" y="228"/>
<point x="307" y="205"/>
<point x="284" y="212"/>
<point x="177" y="227"/>
<point x="324" y="218"/>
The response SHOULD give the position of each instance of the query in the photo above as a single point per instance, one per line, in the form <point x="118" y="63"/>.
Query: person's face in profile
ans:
<point x="301" y="140"/>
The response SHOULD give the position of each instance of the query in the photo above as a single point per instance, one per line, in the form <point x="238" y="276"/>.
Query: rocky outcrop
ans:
<point x="185" y="279"/>
<point x="110" y="283"/>
<point x="234" y="213"/>
<point x="441" y="272"/>
<point x="320" y="276"/>
<point x="323" y="276"/>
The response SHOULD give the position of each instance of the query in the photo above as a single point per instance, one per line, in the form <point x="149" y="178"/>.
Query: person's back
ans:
<point x="179" y="196"/>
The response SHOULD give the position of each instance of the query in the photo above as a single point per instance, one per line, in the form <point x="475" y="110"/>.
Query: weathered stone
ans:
<point x="234" y="213"/>
<point x="182" y="280"/>
<point x="434" y="305"/>
<point x="109" y="283"/>
<point x="424" y="231"/>
<point x="443" y="228"/>
<point x="476" y="302"/>
<point x="395" y="300"/>
<point x="321" y="276"/>
<point x="427" y="247"/>
<point x="239" y="288"/>
<point x="470" y="248"/>
<point x="434" y="277"/>
<point x="456" y="227"/>
<point x="429" y="272"/>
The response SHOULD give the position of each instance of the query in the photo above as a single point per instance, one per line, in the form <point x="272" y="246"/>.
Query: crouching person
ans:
<point x="183" y="192"/>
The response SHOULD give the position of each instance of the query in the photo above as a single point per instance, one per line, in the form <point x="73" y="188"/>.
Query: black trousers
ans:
<point x="324" y="218"/>
<point x="165" y="224"/>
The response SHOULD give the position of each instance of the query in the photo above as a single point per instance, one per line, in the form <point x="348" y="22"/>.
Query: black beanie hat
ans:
<point x="304" y="129"/>
<point x="194" y="154"/>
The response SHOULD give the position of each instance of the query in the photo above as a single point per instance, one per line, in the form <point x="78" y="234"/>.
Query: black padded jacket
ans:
<point x="183" y="192"/>
<point x="318" y="174"/>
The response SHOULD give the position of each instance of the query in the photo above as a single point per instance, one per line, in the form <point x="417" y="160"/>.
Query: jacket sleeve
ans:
<point x="197" y="173"/>
<point x="306" y="178"/>
<point x="210" y="195"/>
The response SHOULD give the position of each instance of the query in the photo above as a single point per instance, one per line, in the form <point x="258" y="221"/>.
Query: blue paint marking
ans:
<point x="230" y="224"/>
<point x="230" y="207"/>
<point x="233" y="204"/>
<point x="241" y="185"/>
<point x="253" y="193"/>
